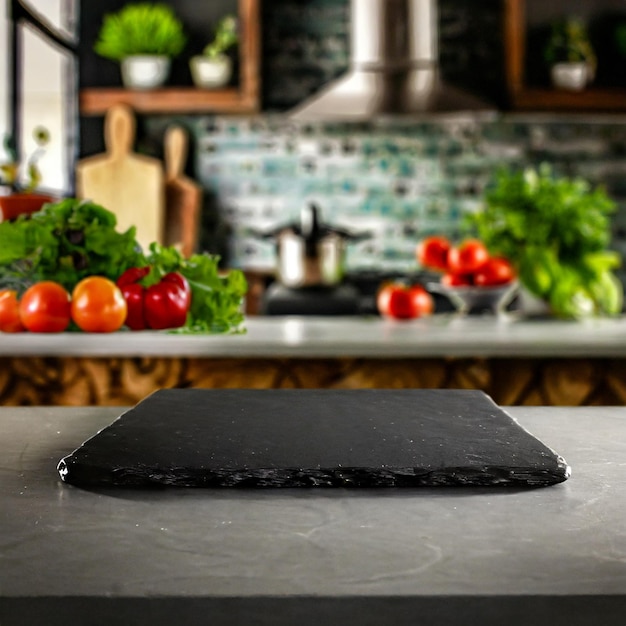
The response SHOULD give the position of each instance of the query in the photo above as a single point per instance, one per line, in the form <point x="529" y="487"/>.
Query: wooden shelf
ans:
<point x="529" y="97"/>
<point x="591" y="99"/>
<point x="97" y="100"/>
<point x="243" y="99"/>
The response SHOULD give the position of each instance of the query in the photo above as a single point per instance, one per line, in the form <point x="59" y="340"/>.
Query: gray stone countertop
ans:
<point x="443" y="556"/>
<point x="440" y="335"/>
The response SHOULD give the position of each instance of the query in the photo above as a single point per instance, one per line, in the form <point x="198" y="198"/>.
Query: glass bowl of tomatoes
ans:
<point x="472" y="279"/>
<point x="473" y="300"/>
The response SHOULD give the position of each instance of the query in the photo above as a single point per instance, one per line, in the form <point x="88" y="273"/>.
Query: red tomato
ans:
<point x="423" y="303"/>
<point x="496" y="271"/>
<point x="10" y="321"/>
<point x="402" y="302"/>
<point x="98" y="305"/>
<point x="433" y="252"/>
<point x="45" y="308"/>
<point x="457" y="280"/>
<point x="467" y="257"/>
<point x="394" y="301"/>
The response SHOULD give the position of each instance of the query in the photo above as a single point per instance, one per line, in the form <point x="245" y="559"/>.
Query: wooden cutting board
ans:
<point x="314" y="438"/>
<point x="183" y="196"/>
<point x="128" y="184"/>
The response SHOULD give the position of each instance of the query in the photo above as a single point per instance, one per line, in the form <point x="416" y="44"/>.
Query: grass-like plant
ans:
<point x="141" y="28"/>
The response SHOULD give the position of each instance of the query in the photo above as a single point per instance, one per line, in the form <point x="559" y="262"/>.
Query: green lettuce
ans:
<point x="65" y="241"/>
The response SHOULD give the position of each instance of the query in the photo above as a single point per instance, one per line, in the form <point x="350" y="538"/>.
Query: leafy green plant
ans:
<point x="23" y="177"/>
<point x="556" y="232"/>
<point x="141" y="28"/>
<point x="569" y="43"/>
<point x="225" y="37"/>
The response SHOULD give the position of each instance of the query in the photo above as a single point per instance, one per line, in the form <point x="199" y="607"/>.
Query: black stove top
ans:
<point x="340" y="300"/>
<point x="355" y="296"/>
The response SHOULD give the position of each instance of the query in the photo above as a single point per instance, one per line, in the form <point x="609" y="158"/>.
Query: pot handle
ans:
<point x="353" y="237"/>
<point x="309" y="222"/>
<point x="267" y="234"/>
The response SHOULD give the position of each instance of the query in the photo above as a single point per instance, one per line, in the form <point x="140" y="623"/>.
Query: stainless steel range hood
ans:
<point x="394" y="67"/>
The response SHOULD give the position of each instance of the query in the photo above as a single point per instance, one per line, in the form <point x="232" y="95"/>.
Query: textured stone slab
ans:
<point x="312" y="438"/>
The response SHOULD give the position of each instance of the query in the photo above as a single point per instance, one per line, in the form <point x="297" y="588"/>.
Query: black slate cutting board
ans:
<point x="306" y="438"/>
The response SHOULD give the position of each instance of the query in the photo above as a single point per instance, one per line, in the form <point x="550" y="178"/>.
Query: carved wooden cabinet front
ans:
<point x="78" y="381"/>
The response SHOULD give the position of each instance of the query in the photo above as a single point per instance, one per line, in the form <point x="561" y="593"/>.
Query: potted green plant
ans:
<point x="620" y="38"/>
<point x="20" y="180"/>
<point x="570" y="55"/>
<point x="213" y="68"/>
<point x="556" y="231"/>
<point x="143" y="37"/>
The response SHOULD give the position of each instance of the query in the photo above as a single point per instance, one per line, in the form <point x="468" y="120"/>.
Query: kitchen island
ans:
<point x="439" y="556"/>
<point x="517" y="361"/>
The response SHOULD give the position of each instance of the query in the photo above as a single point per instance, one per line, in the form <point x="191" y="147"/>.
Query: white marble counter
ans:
<point x="321" y="337"/>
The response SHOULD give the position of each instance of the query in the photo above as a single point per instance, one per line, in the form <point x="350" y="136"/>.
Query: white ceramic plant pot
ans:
<point x="209" y="73"/>
<point x="571" y="76"/>
<point x="145" y="71"/>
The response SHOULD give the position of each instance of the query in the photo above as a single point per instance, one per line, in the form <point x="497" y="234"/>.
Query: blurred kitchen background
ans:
<point x="397" y="177"/>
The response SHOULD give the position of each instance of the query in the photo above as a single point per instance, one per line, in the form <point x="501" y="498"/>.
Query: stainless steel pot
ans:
<point x="310" y="254"/>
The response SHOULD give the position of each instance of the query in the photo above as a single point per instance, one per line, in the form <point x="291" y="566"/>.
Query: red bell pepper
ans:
<point x="166" y="304"/>
<point x="133" y="293"/>
<point x="162" y="305"/>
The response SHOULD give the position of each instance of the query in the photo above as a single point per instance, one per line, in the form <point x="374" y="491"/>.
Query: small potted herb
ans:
<point x="143" y="37"/>
<point x="213" y="68"/>
<point x="556" y="231"/>
<point x="620" y="38"/>
<point x="570" y="55"/>
<point x="20" y="180"/>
